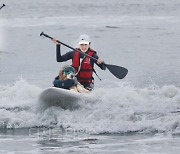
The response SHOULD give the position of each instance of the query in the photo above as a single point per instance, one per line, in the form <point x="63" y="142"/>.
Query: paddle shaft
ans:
<point x="2" y="6"/>
<point x="68" y="46"/>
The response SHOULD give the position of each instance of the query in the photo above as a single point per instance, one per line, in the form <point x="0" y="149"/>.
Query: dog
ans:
<point x="68" y="72"/>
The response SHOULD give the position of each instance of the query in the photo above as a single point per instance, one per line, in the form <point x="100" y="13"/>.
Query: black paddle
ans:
<point x="117" y="71"/>
<point x="2" y="6"/>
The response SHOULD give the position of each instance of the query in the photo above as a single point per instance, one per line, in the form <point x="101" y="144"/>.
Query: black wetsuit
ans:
<point x="69" y="55"/>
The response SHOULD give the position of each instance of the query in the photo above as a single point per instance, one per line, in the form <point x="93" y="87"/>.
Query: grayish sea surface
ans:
<point x="139" y="114"/>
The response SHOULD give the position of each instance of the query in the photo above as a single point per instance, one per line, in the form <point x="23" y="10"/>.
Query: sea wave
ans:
<point x="97" y="21"/>
<point x="121" y="108"/>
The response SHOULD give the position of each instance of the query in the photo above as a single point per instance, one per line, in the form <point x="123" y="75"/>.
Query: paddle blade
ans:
<point x="117" y="71"/>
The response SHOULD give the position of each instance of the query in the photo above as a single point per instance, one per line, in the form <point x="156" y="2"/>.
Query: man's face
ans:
<point x="84" y="47"/>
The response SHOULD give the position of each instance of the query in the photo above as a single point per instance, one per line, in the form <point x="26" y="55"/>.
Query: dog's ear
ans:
<point x="64" y="76"/>
<point x="61" y="74"/>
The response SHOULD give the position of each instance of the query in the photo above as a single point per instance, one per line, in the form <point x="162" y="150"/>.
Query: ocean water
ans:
<point x="138" y="114"/>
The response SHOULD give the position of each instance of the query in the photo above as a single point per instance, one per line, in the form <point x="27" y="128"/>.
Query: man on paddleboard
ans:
<point x="83" y="65"/>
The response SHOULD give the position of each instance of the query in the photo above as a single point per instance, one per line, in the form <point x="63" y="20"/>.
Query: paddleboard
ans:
<point x="63" y="98"/>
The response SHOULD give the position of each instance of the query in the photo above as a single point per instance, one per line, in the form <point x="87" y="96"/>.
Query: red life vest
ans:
<point x="86" y="70"/>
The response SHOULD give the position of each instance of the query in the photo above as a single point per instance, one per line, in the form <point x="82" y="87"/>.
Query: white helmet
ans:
<point x="84" y="39"/>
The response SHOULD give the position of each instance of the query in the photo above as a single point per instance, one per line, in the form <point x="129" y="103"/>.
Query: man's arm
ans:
<point x="99" y="62"/>
<point x="65" y="57"/>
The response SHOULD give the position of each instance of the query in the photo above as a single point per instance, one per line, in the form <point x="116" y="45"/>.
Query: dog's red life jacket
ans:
<point x="86" y="70"/>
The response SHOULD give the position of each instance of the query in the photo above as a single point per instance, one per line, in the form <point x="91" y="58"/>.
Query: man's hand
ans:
<point x="55" y="41"/>
<point x="99" y="61"/>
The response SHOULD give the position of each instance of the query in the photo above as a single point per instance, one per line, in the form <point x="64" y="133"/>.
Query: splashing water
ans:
<point x="119" y="109"/>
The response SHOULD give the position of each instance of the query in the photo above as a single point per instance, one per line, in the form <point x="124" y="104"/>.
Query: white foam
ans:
<point x="17" y="103"/>
<point x="122" y="108"/>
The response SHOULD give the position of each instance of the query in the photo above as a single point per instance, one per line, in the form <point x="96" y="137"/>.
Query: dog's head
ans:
<point x="68" y="72"/>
